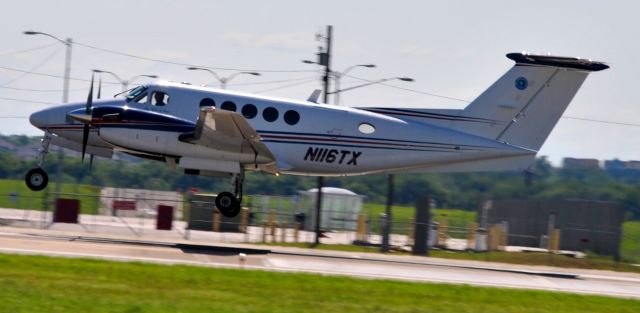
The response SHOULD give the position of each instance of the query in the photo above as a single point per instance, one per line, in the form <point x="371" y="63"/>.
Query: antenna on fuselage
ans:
<point x="99" y="86"/>
<point x="315" y="96"/>
<point x="125" y="91"/>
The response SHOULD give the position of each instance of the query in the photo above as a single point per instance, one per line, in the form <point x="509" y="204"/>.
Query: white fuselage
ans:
<point x="322" y="140"/>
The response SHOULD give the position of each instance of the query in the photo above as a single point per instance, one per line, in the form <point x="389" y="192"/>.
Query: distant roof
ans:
<point x="333" y="191"/>
<point x="558" y="61"/>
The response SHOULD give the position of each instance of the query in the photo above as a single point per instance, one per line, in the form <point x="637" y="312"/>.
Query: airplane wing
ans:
<point x="230" y="131"/>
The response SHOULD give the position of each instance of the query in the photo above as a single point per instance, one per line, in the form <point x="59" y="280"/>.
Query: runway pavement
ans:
<point x="365" y="265"/>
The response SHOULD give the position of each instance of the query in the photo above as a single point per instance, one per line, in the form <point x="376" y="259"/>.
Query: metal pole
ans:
<point x="327" y="67"/>
<point x="337" y="96"/>
<point x="65" y="99"/>
<point x="319" y="209"/>
<point x="422" y="227"/>
<point x="387" y="222"/>
<point x="67" y="71"/>
<point x="327" y="72"/>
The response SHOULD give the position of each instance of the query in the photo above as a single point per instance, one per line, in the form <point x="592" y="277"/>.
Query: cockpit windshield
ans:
<point x="137" y="93"/>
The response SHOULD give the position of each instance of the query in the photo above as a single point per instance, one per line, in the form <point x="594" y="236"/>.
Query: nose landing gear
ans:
<point x="229" y="203"/>
<point x="37" y="179"/>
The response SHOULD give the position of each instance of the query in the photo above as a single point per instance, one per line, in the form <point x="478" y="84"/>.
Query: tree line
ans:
<point x="451" y="190"/>
<point x="457" y="190"/>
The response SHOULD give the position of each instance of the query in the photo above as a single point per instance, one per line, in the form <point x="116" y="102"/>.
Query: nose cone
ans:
<point x="41" y="118"/>
<point x="53" y="116"/>
<point x="59" y="115"/>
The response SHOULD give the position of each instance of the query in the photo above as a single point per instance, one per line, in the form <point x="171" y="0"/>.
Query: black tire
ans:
<point x="227" y="203"/>
<point x="36" y="179"/>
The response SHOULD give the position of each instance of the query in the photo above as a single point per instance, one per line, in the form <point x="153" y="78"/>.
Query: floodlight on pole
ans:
<point x="123" y="82"/>
<point x="223" y="80"/>
<point x="379" y="81"/>
<point x="338" y="76"/>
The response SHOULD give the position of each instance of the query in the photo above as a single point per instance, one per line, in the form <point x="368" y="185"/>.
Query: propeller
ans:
<point x="87" y="111"/>
<point x="98" y="97"/>
<point x="99" y="86"/>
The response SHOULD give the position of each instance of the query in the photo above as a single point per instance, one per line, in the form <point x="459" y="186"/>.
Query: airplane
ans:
<point x="214" y="132"/>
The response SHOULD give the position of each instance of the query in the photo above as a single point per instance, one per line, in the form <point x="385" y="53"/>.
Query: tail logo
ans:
<point x="521" y="83"/>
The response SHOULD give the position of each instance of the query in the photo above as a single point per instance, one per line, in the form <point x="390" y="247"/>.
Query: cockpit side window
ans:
<point x="159" y="98"/>
<point x="142" y="99"/>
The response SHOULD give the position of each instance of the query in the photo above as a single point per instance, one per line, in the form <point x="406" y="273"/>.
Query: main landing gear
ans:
<point x="229" y="203"/>
<point x="37" y="179"/>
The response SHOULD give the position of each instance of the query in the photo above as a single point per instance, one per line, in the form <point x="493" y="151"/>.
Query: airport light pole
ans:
<point x="379" y="81"/>
<point x="65" y="94"/>
<point x="324" y="59"/>
<point x="123" y="82"/>
<point x="338" y="76"/>
<point x="223" y="80"/>
<point x="386" y="231"/>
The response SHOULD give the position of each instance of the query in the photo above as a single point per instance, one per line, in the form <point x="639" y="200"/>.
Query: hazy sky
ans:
<point x="451" y="48"/>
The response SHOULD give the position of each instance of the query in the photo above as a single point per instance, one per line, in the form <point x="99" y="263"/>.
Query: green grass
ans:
<point x="27" y="199"/>
<point x="403" y="215"/>
<point x="630" y="245"/>
<point x="43" y="284"/>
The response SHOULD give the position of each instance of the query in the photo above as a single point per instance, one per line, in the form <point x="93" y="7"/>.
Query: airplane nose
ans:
<point x="56" y="115"/>
<point x="39" y="119"/>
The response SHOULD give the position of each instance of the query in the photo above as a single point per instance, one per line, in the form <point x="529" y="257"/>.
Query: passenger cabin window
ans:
<point x="159" y="98"/>
<point x="229" y="106"/>
<point x="207" y="102"/>
<point x="366" y="128"/>
<point x="249" y="111"/>
<point x="291" y="117"/>
<point x="270" y="114"/>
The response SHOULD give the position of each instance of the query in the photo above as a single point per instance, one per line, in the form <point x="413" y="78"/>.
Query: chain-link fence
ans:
<point x="282" y="220"/>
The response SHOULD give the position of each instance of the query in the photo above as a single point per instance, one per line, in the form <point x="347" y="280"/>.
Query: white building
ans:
<point x="340" y="208"/>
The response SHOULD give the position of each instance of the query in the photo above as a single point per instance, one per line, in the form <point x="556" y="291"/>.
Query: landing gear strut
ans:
<point x="37" y="179"/>
<point x="229" y="203"/>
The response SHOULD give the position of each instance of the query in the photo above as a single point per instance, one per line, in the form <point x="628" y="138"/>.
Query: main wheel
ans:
<point x="36" y="179"/>
<point x="227" y="203"/>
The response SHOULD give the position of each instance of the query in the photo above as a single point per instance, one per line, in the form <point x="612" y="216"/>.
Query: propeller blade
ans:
<point x="85" y="138"/>
<point x="89" y="98"/>
<point x="90" y="161"/>
<point x="99" y="86"/>
<point x="87" y="110"/>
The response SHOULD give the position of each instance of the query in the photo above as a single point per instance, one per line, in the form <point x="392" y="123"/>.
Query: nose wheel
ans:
<point x="227" y="203"/>
<point x="36" y="179"/>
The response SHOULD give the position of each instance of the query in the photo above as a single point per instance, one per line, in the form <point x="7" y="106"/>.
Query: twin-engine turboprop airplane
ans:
<point x="207" y="131"/>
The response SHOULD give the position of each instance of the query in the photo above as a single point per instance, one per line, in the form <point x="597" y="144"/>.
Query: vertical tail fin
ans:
<point x="523" y="106"/>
